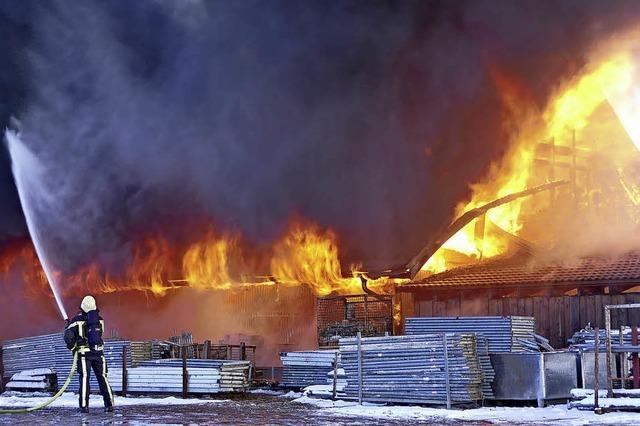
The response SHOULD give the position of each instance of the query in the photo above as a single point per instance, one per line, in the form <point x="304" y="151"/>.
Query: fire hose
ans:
<point x="53" y="398"/>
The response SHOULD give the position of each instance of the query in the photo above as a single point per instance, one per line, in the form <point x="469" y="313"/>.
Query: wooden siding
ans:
<point x="557" y="317"/>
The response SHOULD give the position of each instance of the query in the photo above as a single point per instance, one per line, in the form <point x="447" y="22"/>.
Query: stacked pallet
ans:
<point x="157" y="348"/>
<point x="503" y="334"/>
<point x="50" y="351"/>
<point x="305" y="368"/>
<point x="39" y="379"/>
<point x="140" y="351"/>
<point x="412" y="369"/>
<point x="204" y="376"/>
<point x="234" y="376"/>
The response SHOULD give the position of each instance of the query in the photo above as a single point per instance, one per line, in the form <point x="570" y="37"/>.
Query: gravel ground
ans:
<point x="247" y="410"/>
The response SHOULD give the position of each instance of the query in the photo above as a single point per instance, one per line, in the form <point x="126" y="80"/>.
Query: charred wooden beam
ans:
<point x="414" y="265"/>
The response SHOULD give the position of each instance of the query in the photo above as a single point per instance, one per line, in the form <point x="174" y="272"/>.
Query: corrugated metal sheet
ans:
<point x="50" y="351"/>
<point x="501" y="332"/>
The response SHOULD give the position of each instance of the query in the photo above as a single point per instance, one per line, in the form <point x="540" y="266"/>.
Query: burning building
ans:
<point x="346" y="161"/>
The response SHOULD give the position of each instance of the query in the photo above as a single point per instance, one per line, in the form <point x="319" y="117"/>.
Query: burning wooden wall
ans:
<point x="562" y="297"/>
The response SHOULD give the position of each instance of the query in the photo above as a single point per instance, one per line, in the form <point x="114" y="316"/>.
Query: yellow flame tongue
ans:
<point x="624" y="98"/>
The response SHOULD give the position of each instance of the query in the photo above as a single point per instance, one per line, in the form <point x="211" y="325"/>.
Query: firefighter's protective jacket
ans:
<point x="76" y="335"/>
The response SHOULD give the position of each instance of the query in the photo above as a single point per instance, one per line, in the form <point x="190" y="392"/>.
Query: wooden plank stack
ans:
<point x="140" y="351"/>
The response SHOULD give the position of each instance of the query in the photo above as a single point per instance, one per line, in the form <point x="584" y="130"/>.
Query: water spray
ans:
<point x="27" y="171"/>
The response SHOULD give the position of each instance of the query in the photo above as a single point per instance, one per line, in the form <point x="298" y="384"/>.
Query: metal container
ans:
<point x="587" y="369"/>
<point x="534" y="376"/>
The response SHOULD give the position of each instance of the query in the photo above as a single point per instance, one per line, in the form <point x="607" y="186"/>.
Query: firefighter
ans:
<point x="84" y="335"/>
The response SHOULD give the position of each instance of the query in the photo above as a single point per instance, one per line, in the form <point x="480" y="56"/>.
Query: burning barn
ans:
<point x="381" y="186"/>
<point x="563" y="298"/>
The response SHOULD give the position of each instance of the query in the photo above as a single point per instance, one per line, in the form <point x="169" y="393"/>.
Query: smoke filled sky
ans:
<point x="368" y="117"/>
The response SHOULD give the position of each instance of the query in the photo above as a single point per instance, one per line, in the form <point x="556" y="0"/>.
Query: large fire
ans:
<point x="573" y="125"/>
<point x="305" y="254"/>
<point x="568" y="126"/>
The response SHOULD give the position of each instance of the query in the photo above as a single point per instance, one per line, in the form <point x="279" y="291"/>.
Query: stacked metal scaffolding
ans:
<point x="204" y="376"/>
<point x="39" y="379"/>
<point x="503" y="334"/>
<point x="305" y="368"/>
<point x="585" y="338"/>
<point x="50" y="351"/>
<point x="424" y="369"/>
<point x="485" y="364"/>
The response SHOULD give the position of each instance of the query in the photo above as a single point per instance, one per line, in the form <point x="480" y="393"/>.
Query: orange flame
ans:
<point x="563" y="120"/>
<point x="305" y="254"/>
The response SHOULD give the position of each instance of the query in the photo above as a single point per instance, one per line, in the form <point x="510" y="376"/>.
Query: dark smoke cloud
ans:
<point x="368" y="117"/>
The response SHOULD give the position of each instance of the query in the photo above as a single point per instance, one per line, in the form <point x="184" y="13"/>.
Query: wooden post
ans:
<point x="335" y="376"/>
<point x="446" y="371"/>
<point x="125" y="378"/>
<point x="185" y="375"/>
<point x="1" y="372"/>
<point x="552" y="169"/>
<point x="359" y="340"/>
<point x="634" y="359"/>
<point x="623" y="361"/>
<point x="607" y="323"/>
<point x="596" y="369"/>
<point x="243" y="351"/>
<point x="207" y="349"/>
<point x="574" y="171"/>
<point x="366" y="312"/>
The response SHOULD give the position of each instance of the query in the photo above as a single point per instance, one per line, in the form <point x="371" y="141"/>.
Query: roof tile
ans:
<point x="519" y="271"/>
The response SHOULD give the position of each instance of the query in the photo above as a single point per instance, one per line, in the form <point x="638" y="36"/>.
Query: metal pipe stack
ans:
<point x="411" y="369"/>
<point x="484" y="360"/>
<point x="50" y="351"/>
<point x="503" y="334"/>
<point x="39" y="379"/>
<point x="205" y="376"/>
<point x="305" y="368"/>
<point x="585" y="338"/>
<point x="166" y="380"/>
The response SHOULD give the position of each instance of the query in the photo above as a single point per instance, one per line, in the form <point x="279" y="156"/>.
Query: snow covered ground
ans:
<point x="21" y="400"/>
<point x="558" y="414"/>
<point x="274" y="409"/>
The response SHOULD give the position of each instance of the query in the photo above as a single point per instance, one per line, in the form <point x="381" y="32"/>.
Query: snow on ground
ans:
<point x="292" y="395"/>
<point x="602" y="393"/>
<point x="558" y="414"/>
<point x="611" y="402"/>
<point x="279" y="393"/>
<point x="18" y="400"/>
<point x="267" y="392"/>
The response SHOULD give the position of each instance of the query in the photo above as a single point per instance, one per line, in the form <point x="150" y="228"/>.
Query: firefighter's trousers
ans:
<point x="93" y="361"/>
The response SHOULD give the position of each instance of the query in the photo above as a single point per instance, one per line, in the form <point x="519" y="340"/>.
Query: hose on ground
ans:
<point x="53" y="398"/>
